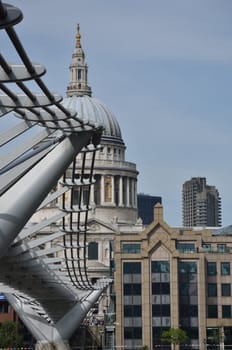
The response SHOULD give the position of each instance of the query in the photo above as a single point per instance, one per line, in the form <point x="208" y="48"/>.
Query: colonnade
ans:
<point x="114" y="190"/>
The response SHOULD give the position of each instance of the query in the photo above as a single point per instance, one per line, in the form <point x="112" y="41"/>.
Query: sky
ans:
<point x="164" y="68"/>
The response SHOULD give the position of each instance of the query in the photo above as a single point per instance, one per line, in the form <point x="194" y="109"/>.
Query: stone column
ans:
<point x="202" y="304"/>
<point x="127" y="192"/>
<point x="102" y="194"/>
<point x="174" y="293"/>
<point x="113" y="190"/>
<point x="135" y="183"/>
<point x="133" y="192"/>
<point x="91" y="199"/>
<point x="120" y="192"/>
<point x="147" y="303"/>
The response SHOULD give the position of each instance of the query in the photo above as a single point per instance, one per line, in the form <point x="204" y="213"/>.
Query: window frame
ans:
<point x="224" y="291"/>
<point x="224" y="269"/>
<point x="212" y="289"/>
<point x="93" y="250"/>
<point x="214" y="270"/>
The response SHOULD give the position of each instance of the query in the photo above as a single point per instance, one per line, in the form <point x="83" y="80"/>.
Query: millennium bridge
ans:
<point x="43" y="276"/>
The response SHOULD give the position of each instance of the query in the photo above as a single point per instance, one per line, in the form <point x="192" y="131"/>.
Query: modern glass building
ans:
<point x="146" y="205"/>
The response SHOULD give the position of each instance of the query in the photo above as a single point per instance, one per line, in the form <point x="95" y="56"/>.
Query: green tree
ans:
<point x="144" y="347"/>
<point x="174" y="336"/>
<point x="10" y="335"/>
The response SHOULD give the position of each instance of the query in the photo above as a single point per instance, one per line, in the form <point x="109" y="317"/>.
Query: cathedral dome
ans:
<point x="79" y="98"/>
<point x="91" y="110"/>
<point x="113" y="195"/>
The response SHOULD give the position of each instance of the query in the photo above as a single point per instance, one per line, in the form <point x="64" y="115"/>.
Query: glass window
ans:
<point x="188" y="289"/>
<point x="221" y="248"/>
<point x="188" y="267"/>
<point x="192" y="334"/>
<point x="133" y="332"/>
<point x="85" y="194"/>
<point x="160" y="310"/>
<point x="206" y="247"/>
<point x="192" y="289"/>
<point x="193" y="310"/>
<point x="132" y="267"/>
<point x="165" y="288"/>
<point x="212" y="289"/>
<point x="212" y="311"/>
<point x="188" y="311"/>
<point x="184" y="289"/>
<point x="156" y="288"/>
<point x="226" y="311"/>
<point x="156" y="310"/>
<point x="225" y="289"/>
<point x="213" y="336"/>
<point x="227" y="335"/>
<point x="160" y="288"/>
<point x="4" y="307"/>
<point x="132" y="288"/>
<point x="75" y="195"/>
<point x="160" y="266"/>
<point x="165" y="310"/>
<point x="132" y="310"/>
<point x="93" y="251"/>
<point x="131" y="248"/>
<point x="156" y="335"/>
<point x="185" y="247"/>
<point x="211" y="268"/>
<point x="225" y="268"/>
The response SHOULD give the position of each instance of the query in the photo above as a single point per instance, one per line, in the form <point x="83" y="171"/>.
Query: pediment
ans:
<point x="159" y="240"/>
<point x="96" y="226"/>
<point x="159" y="232"/>
<point x="160" y="252"/>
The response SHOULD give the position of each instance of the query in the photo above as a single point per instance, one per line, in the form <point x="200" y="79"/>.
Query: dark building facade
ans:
<point x="146" y="205"/>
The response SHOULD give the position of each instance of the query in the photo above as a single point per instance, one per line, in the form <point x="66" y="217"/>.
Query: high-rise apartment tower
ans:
<point x="201" y="203"/>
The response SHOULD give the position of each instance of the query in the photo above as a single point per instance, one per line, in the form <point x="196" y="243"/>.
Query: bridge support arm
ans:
<point x="19" y="203"/>
<point x="53" y="336"/>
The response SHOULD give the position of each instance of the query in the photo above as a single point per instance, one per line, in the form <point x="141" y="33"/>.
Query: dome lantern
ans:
<point x="78" y="85"/>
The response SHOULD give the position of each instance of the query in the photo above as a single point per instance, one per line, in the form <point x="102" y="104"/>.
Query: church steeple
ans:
<point x="78" y="85"/>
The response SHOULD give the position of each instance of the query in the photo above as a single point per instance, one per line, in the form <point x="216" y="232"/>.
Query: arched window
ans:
<point x="93" y="251"/>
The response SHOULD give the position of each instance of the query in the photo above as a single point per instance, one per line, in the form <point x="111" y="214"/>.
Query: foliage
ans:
<point x="10" y="335"/>
<point x="174" y="336"/>
<point x="144" y="347"/>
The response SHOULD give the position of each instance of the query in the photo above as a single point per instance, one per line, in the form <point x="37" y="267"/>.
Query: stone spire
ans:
<point x="78" y="85"/>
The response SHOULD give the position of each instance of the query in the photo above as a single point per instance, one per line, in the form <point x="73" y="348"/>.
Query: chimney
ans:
<point x="158" y="212"/>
